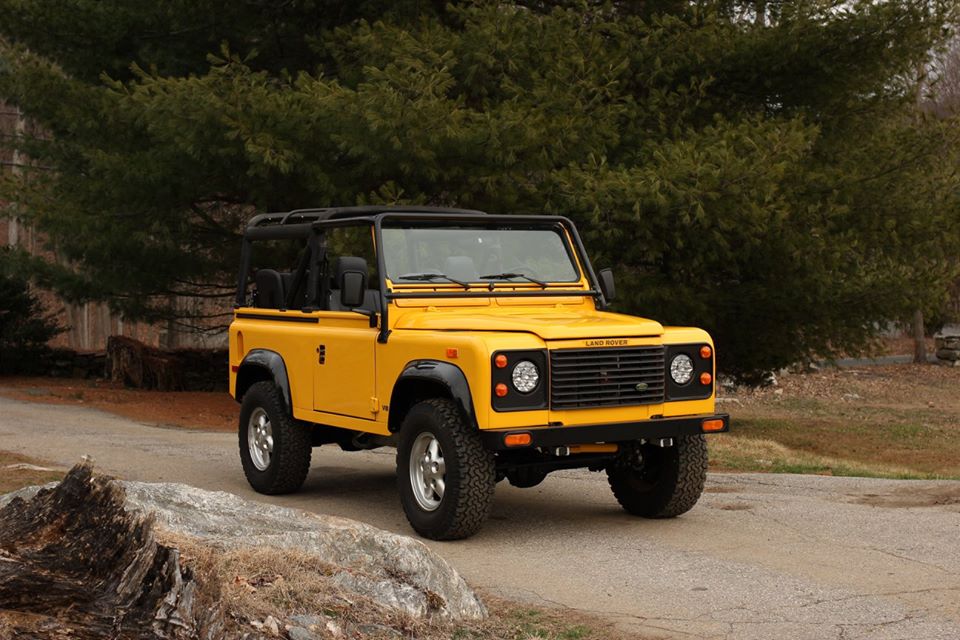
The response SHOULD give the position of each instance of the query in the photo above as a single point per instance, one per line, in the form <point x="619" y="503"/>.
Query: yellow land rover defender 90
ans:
<point x="477" y="345"/>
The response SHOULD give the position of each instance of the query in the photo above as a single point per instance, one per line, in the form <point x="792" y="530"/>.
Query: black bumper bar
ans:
<point x="654" y="429"/>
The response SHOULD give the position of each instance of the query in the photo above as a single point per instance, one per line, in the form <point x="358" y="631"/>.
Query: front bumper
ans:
<point x="654" y="429"/>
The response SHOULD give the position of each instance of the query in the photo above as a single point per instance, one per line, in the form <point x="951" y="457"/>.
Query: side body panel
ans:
<point x="344" y="379"/>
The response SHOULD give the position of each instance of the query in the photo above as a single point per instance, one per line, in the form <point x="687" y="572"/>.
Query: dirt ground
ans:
<point x="190" y="409"/>
<point x="18" y="471"/>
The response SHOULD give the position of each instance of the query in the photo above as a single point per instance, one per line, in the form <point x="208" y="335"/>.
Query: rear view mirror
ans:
<point x="607" y="285"/>
<point x="353" y="288"/>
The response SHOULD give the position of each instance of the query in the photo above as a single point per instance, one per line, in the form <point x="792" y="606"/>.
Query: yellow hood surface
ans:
<point x="552" y="324"/>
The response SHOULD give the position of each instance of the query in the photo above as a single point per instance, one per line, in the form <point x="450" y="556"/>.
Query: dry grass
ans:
<point x="16" y="472"/>
<point x="255" y="584"/>
<point x="749" y="454"/>
<point x="898" y="421"/>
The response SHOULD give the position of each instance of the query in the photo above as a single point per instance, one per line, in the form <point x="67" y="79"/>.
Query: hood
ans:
<point x="553" y="324"/>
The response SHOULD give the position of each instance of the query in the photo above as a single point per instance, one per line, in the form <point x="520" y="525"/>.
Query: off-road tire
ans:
<point x="470" y="472"/>
<point x="290" y="460"/>
<point x="668" y="483"/>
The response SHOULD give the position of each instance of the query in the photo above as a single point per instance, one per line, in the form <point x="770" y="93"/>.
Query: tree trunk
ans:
<point x="919" y="339"/>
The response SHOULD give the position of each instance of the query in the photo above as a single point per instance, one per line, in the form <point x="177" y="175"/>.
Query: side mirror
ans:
<point x="607" y="286"/>
<point x="353" y="288"/>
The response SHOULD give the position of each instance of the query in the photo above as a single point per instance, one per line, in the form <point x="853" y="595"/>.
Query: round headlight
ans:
<point x="525" y="376"/>
<point x="681" y="369"/>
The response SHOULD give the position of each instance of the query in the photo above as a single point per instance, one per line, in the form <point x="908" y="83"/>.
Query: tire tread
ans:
<point x="668" y="502"/>
<point x="295" y="447"/>
<point x="477" y="476"/>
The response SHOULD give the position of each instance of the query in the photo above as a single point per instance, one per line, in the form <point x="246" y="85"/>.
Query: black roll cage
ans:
<point x="311" y="223"/>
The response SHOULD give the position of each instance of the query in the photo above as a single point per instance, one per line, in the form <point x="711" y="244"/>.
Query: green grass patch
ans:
<point x="739" y="453"/>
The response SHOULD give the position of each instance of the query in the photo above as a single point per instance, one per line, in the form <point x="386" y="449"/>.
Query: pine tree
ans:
<point x="757" y="168"/>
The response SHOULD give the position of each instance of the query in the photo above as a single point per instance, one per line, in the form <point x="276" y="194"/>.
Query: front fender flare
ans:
<point x="445" y="374"/>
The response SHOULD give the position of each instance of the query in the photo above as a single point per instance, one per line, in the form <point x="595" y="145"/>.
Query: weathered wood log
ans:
<point x="142" y="367"/>
<point x="75" y="564"/>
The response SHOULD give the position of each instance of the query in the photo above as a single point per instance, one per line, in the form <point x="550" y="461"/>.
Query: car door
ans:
<point x="345" y="371"/>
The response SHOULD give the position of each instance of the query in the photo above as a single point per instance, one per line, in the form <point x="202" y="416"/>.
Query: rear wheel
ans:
<point x="661" y="482"/>
<point x="274" y="448"/>
<point x="445" y="475"/>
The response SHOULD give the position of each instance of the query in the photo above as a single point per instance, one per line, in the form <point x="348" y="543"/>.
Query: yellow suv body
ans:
<point x="478" y="345"/>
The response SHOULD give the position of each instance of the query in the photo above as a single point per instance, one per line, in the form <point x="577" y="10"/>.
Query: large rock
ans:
<point x="393" y="570"/>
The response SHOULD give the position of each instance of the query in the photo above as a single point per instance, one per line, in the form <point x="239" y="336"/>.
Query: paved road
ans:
<point x="760" y="557"/>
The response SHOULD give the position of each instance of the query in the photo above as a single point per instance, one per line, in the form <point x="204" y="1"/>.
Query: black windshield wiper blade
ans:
<point x="429" y="277"/>
<point x="508" y="276"/>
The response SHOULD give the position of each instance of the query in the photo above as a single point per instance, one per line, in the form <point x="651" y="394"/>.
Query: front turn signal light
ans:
<point x="705" y="378"/>
<point x="500" y="390"/>
<point x="712" y="425"/>
<point x="706" y="351"/>
<point x="517" y="439"/>
<point x="500" y="361"/>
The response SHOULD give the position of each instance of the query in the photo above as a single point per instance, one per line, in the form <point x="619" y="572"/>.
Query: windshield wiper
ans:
<point x="428" y="277"/>
<point x="508" y="276"/>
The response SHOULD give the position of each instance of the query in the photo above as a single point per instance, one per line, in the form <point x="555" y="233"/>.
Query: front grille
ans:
<point x="581" y="378"/>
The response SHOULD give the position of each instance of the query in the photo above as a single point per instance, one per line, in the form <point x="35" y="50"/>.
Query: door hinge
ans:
<point x="321" y="354"/>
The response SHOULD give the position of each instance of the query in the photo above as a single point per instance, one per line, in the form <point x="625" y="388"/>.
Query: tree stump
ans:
<point x="75" y="564"/>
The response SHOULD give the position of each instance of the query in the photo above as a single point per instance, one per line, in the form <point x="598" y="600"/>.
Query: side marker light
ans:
<point x="712" y="425"/>
<point x="517" y="439"/>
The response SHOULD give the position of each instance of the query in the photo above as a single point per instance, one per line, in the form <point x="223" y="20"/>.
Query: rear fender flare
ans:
<point x="263" y="364"/>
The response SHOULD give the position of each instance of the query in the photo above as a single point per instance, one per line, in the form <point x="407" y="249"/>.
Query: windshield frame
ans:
<point x="576" y="279"/>
<point x="578" y="257"/>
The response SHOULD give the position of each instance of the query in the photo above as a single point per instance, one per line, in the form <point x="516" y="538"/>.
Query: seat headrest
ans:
<point x="269" y="288"/>
<point x="348" y="264"/>
<point x="461" y="268"/>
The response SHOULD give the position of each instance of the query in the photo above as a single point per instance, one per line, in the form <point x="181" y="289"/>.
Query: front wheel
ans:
<point x="445" y="475"/>
<point x="661" y="482"/>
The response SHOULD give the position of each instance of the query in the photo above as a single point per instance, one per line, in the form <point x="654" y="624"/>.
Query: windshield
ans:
<point x="460" y="255"/>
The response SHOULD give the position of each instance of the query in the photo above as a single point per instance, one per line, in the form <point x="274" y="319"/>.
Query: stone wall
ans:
<point x="948" y="345"/>
<point x="56" y="363"/>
